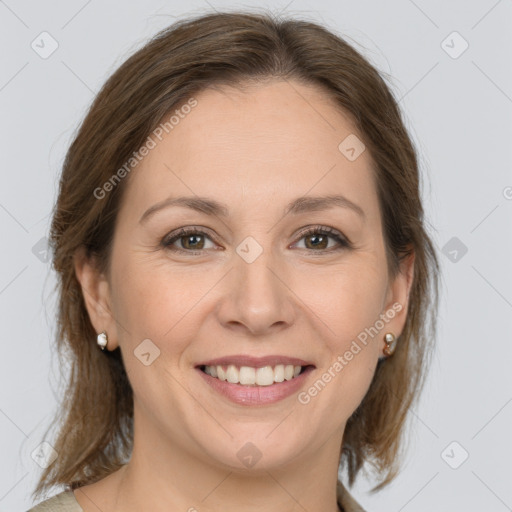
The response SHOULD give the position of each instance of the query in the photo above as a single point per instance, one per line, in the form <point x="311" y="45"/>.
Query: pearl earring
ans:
<point x="390" y="340"/>
<point x="102" y="340"/>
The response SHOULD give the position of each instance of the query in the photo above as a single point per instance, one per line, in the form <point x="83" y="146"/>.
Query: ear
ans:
<point x="397" y="298"/>
<point x="97" y="296"/>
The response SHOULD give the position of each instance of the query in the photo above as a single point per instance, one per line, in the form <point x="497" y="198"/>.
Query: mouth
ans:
<point x="252" y="376"/>
<point x="254" y="381"/>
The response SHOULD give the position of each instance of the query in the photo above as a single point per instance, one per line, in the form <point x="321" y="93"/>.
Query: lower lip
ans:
<point x="256" y="395"/>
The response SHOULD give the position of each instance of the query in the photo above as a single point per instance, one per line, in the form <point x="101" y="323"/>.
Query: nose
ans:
<point x="256" y="298"/>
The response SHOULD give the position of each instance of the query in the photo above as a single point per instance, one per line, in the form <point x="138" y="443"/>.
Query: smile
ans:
<point x="252" y="381"/>
<point x="250" y="376"/>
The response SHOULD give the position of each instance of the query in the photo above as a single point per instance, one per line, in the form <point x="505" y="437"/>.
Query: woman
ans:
<point x="245" y="278"/>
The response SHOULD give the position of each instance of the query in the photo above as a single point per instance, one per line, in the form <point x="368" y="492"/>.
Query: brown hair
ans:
<point x="95" y="424"/>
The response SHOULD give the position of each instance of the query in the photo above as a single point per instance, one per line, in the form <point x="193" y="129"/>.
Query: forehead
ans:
<point x="276" y="140"/>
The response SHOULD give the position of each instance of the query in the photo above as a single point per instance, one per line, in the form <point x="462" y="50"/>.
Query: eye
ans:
<point x="317" y="238"/>
<point x="192" y="240"/>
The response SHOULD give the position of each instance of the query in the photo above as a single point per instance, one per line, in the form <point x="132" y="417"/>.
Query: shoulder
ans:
<point x="62" y="502"/>
<point x="346" y="501"/>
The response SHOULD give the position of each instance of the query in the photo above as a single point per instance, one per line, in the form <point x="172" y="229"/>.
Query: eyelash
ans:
<point x="319" y="230"/>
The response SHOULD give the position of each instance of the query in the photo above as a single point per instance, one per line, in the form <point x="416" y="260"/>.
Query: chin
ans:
<point x="254" y="450"/>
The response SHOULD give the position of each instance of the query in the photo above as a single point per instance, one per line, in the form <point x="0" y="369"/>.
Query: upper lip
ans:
<point x="255" y="362"/>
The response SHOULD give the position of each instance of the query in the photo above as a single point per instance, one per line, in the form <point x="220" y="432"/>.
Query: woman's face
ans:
<point x="248" y="281"/>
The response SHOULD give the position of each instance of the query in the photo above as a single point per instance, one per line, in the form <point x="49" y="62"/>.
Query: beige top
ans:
<point x="66" y="502"/>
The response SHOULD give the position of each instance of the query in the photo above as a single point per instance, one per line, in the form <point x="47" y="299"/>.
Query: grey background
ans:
<point x="459" y="112"/>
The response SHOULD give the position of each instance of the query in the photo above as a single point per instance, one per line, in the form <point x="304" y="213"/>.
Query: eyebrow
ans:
<point x="214" y="208"/>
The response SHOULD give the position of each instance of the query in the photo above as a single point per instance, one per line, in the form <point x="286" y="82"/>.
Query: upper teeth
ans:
<point x="264" y="376"/>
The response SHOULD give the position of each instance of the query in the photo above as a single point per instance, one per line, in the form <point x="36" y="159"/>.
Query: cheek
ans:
<point x="348" y="316"/>
<point x="148" y="299"/>
<point x="157" y="301"/>
<point x="349" y="309"/>
<point x="346" y="302"/>
<point x="152" y="304"/>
